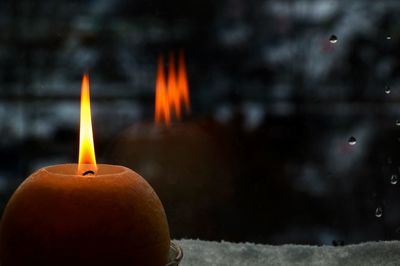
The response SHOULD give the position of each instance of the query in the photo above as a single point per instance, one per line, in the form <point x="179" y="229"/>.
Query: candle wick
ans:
<point x="88" y="172"/>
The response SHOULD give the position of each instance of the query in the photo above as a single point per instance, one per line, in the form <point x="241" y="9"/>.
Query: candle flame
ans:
<point x="87" y="157"/>
<point x="170" y="95"/>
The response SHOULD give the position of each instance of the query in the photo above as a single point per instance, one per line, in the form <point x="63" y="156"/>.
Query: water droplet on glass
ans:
<point x="333" y="39"/>
<point x="398" y="122"/>
<point x="388" y="37"/>
<point x="352" y="141"/>
<point x="387" y="89"/>
<point x="379" y="212"/>
<point x="394" y="179"/>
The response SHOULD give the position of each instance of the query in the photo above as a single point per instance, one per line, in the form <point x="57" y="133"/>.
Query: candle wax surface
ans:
<point x="57" y="217"/>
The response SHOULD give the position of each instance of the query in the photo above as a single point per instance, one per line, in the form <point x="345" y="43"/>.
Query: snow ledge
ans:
<point x="198" y="252"/>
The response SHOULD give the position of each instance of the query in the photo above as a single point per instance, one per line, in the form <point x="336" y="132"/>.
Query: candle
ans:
<point x="84" y="214"/>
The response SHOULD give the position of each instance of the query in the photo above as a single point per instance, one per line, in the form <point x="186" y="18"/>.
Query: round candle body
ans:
<point x="57" y="217"/>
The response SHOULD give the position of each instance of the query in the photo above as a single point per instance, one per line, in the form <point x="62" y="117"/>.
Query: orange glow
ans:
<point x="170" y="95"/>
<point x="162" y="102"/>
<point x="87" y="157"/>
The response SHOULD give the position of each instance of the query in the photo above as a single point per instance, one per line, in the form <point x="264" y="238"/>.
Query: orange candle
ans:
<point x="84" y="214"/>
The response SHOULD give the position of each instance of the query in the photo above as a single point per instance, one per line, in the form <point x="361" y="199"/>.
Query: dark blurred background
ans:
<point x="264" y="156"/>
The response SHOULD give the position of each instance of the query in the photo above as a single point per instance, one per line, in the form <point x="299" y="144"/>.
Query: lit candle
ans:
<point x="84" y="214"/>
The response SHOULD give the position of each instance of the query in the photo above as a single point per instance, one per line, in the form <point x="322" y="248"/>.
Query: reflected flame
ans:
<point x="87" y="157"/>
<point x="173" y="92"/>
<point x="162" y="104"/>
<point x="170" y="95"/>
<point x="183" y="86"/>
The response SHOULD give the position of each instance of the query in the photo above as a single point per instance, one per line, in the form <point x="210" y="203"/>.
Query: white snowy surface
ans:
<point x="198" y="252"/>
